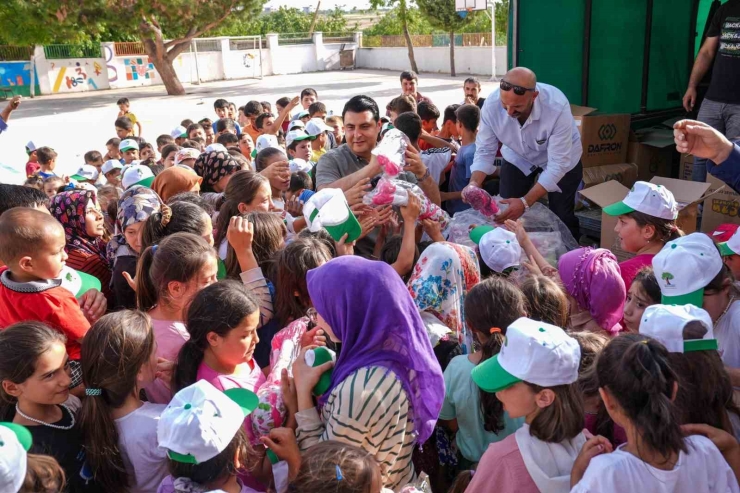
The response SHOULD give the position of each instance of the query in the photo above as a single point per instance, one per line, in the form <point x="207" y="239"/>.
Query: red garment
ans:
<point x="32" y="168"/>
<point x="631" y="267"/>
<point x="92" y="264"/>
<point x="56" y="307"/>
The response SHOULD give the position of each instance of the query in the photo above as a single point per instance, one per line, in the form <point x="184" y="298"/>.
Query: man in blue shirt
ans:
<point x="705" y="142"/>
<point x="5" y="114"/>
<point x="541" y="147"/>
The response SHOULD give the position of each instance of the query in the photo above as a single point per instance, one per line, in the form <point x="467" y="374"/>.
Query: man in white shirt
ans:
<point x="541" y="147"/>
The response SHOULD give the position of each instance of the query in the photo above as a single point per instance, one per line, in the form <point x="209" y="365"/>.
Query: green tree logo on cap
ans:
<point x="667" y="276"/>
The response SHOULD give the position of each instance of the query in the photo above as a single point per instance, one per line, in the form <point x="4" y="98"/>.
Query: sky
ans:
<point x="325" y="4"/>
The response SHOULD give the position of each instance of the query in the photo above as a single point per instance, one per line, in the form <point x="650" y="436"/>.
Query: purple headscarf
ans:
<point x="594" y="280"/>
<point x="370" y="310"/>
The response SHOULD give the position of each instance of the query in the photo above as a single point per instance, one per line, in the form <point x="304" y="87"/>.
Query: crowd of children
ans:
<point x="196" y="315"/>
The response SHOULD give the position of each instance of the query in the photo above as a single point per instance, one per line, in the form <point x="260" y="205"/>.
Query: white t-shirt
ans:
<point x="145" y="460"/>
<point x="436" y="160"/>
<point x="702" y="470"/>
<point x="727" y="333"/>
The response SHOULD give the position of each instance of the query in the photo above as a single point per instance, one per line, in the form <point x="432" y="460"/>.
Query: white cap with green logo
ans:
<point x="666" y="323"/>
<point x="648" y="198"/>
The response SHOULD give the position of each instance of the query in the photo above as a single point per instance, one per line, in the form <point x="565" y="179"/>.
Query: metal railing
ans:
<point x="56" y="52"/>
<point x="295" y="38"/>
<point x="339" y="37"/>
<point x="129" y="48"/>
<point x="430" y="40"/>
<point x="247" y="43"/>
<point x="206" y="45"/>
<point x="12" y="53"/>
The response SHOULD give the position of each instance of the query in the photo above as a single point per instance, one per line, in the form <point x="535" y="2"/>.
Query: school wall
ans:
<point x="70" y="74"/>
<point x="468" y="59"/>
<point x="17" y="76"/>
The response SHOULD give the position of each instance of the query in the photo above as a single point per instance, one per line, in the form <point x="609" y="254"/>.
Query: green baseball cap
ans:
<point x="478" y="232"/>
<point x="78" y="283"/>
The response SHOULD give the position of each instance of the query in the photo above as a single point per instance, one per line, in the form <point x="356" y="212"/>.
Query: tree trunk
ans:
<point x="409" y="44"/>
<point x="169" y="76"/>
<point x="452" y="53"/>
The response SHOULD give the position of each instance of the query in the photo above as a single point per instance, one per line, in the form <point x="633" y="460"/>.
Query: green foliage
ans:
<point x="283" y="20"/>
<point x="25" y="22"/>
<point x="391" y="24"/>
<point x="442" y="15"/>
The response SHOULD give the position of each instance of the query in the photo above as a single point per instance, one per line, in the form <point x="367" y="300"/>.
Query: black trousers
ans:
<point x="515" y="184"/>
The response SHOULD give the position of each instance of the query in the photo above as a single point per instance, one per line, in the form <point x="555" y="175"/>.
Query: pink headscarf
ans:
<point x="592" y="277"/>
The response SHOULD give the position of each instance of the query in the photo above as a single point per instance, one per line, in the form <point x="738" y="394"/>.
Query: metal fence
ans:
<point x="206" y="45"/>
<point x="129" y="48"/>
<point x="430" y="40"/>
<point x="11" y="53"/>
<point x="56" y="52"/>
<point x="339" y="37"/>
<point x="295" y="39"/>
<point x="247" y="43"/>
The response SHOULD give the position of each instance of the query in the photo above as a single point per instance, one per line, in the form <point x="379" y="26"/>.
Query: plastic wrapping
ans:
<point x="548" y="233"/>
<point x="480" y="200"/>
<point x="391" y="152"/>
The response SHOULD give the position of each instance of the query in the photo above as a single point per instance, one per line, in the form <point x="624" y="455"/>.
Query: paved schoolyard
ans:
<point x="75" y="124"/>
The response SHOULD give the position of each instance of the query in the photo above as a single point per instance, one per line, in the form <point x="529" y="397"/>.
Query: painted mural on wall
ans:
<point x="77" y="75"/>
<point x="139" y="68"/>
<point x="17" y="76"/>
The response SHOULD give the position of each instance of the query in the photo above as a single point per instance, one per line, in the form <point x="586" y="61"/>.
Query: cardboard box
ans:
<point x="604" y="137"/>
<point x="652" y="151"/>
<point x="722" y="207"/>
<point x="624" y="173"/>
<point x="686" y="167"/>
<point x="688" y="195"/>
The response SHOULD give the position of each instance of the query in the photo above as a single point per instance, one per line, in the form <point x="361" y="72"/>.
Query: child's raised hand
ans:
<point x="596" y="445"/>
<point x="283" y="443"/>
<point x="410" y="212"/>
<point x="130" y="280"/>
<point x="433" y="229"/>
<point x="294" y="102"/>
<point x="278" y="170"/>
<point x="355" y="194"/>
<point x="290" y="399"/>
<point x="313" y="337"/>
<point x="344" y="248"/>
<point x="240" y="233"/>
<point x="517" y="228"/>
<point x="294" y="207"/>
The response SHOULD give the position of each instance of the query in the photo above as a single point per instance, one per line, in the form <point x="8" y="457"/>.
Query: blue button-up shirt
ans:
<point x="549" y="139"/>
<point x="3" y="125"/>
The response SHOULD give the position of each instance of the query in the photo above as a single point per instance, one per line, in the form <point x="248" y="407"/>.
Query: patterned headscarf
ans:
<point x="213" y="166"/>
<point x="135" y="206"/>
<point x="593" y="278"/>
<point x="69" y="208"/>
<point x="441" y="280"/>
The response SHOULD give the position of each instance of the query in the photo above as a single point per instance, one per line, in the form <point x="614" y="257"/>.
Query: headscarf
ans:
<point x="440" y="282"/>
<point x="135" y="206"/>
<point x="213" y="166"/>
<point x="371" y="312"/>
<point x="592" y="277"/>
<point x="69" y="208"/>
<point x="174" y="180"/>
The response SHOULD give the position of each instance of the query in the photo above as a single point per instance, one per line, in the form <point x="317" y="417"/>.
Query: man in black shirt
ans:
<point x="471" y="86"/>
<point x="721" y="106"/>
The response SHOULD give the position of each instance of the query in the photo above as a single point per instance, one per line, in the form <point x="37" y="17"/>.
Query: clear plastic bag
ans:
<point x="391" y="152"/>
<point x="480" y="200"/>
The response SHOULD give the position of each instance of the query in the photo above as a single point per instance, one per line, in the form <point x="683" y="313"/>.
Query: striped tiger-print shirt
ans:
<point x="368" y="409"/>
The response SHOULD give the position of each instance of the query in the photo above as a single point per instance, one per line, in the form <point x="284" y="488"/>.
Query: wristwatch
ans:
<point x="424" y="176"/>
<point x="526" y="205"/>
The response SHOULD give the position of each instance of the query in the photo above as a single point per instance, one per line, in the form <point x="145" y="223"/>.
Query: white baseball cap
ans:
<point x="127" y="144"/>
<point x="533" y="352"/>
<point x="186" y="153"/>
<point x="110" y="165"/>
<point x="136" y="174"/>
<point x="648" y="198"/>
<point x="302" y="114"/>
<point x="216" y="147"/>
<point x="684" y="267"/>
<point x="317" y="126"/>
<point x="86" y="172"/>
<point x="731" y="246"/>
<point x="328" y="209"/>
<point x="30" y="146"/>
<point x="298" y="164"/>
<point x="78" y="282"/>
<point x="15" y="441"/>
<point x="201" y="421"/>
<point x="296" y="124"/>
<point x="266" y="140"/>
<point x="178" y="132"/>
<point x="665" y="323"/>
<point x="498" y="247"/>
<point x="296" y="135"/>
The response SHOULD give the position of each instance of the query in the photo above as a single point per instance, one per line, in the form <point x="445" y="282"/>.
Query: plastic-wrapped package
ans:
<point x="548" y="233"/>
<point x="480" y="200"/>
<point x="391" y="152"/>
<point x="386" y="192"/>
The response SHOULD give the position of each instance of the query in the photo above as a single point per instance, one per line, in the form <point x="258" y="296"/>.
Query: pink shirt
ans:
<point x="170" y="337"/>
<point x="631" y="267"/>
<point x="502" y="465"/>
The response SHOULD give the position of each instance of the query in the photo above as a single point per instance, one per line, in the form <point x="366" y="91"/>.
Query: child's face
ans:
<point x="452" y="129"/>
<point x="338" y="131"/>
<point x="280" y="184"/>
<point x="459" y="130"/>
<point x="169" y="159"/>
<point x="185" y="292"/>
<point x="198" y="132"/>
<point x="146" y="153"/>
<point x="320" y="142"/>
<point x="50" y="188"/>
<point x="130" y="155"/>
<point x="122" y="133"/>
<point x="49" y="383"/>
<point x="132" y="234"/>
<point x="50" y="165"/>
<point x="209" y="135"/>
<point x="637" y="301"/>
<point x="113" y="151"/>
<point x="222" y="112"/>
<point x="47" y="262"/>
<point x="428" y="125"/>
<point x="305" y="119"/>
<point x="632" y="238"/>
<point x="267" y="123"/>
<point x="393" y="116"/>
<point x="114" y="177"/>
<point x="520" y="401"/>
<point x="123" y="107"/>
<point x="237" y="346"/>
<point x="246" y="145"/>
<point x="231" y="112"/>
<point x="308" y="100"/>
<point x="319" y="114"/>
<point x="98" y="163"/>
<point x="302" y="150"/>
<point x="94" y="220"/>
<point x="207" y="233"/>
<point x="242" y="118"/>
<point x="262" y="201"/>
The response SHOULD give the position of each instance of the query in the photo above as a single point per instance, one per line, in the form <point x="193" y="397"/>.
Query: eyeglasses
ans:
<point x="518" y="90"/>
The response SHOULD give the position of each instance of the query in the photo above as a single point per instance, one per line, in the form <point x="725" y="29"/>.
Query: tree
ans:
<point x="667" y="276"/>
<point x="390" y="24"/>
<point x="402" y="13"/>
<point x="442" y="15"/>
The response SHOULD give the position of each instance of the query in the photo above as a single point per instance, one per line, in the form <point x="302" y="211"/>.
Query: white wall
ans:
<point x="293" y="59"/>
<point x="329" y="55"/>
<point x="70" y="74"/>
<point x="468" y="59"/>
<point x="246" y="63"/>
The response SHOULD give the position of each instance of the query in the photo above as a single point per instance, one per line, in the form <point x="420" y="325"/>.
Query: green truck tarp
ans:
<point x="601" y="54"/>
